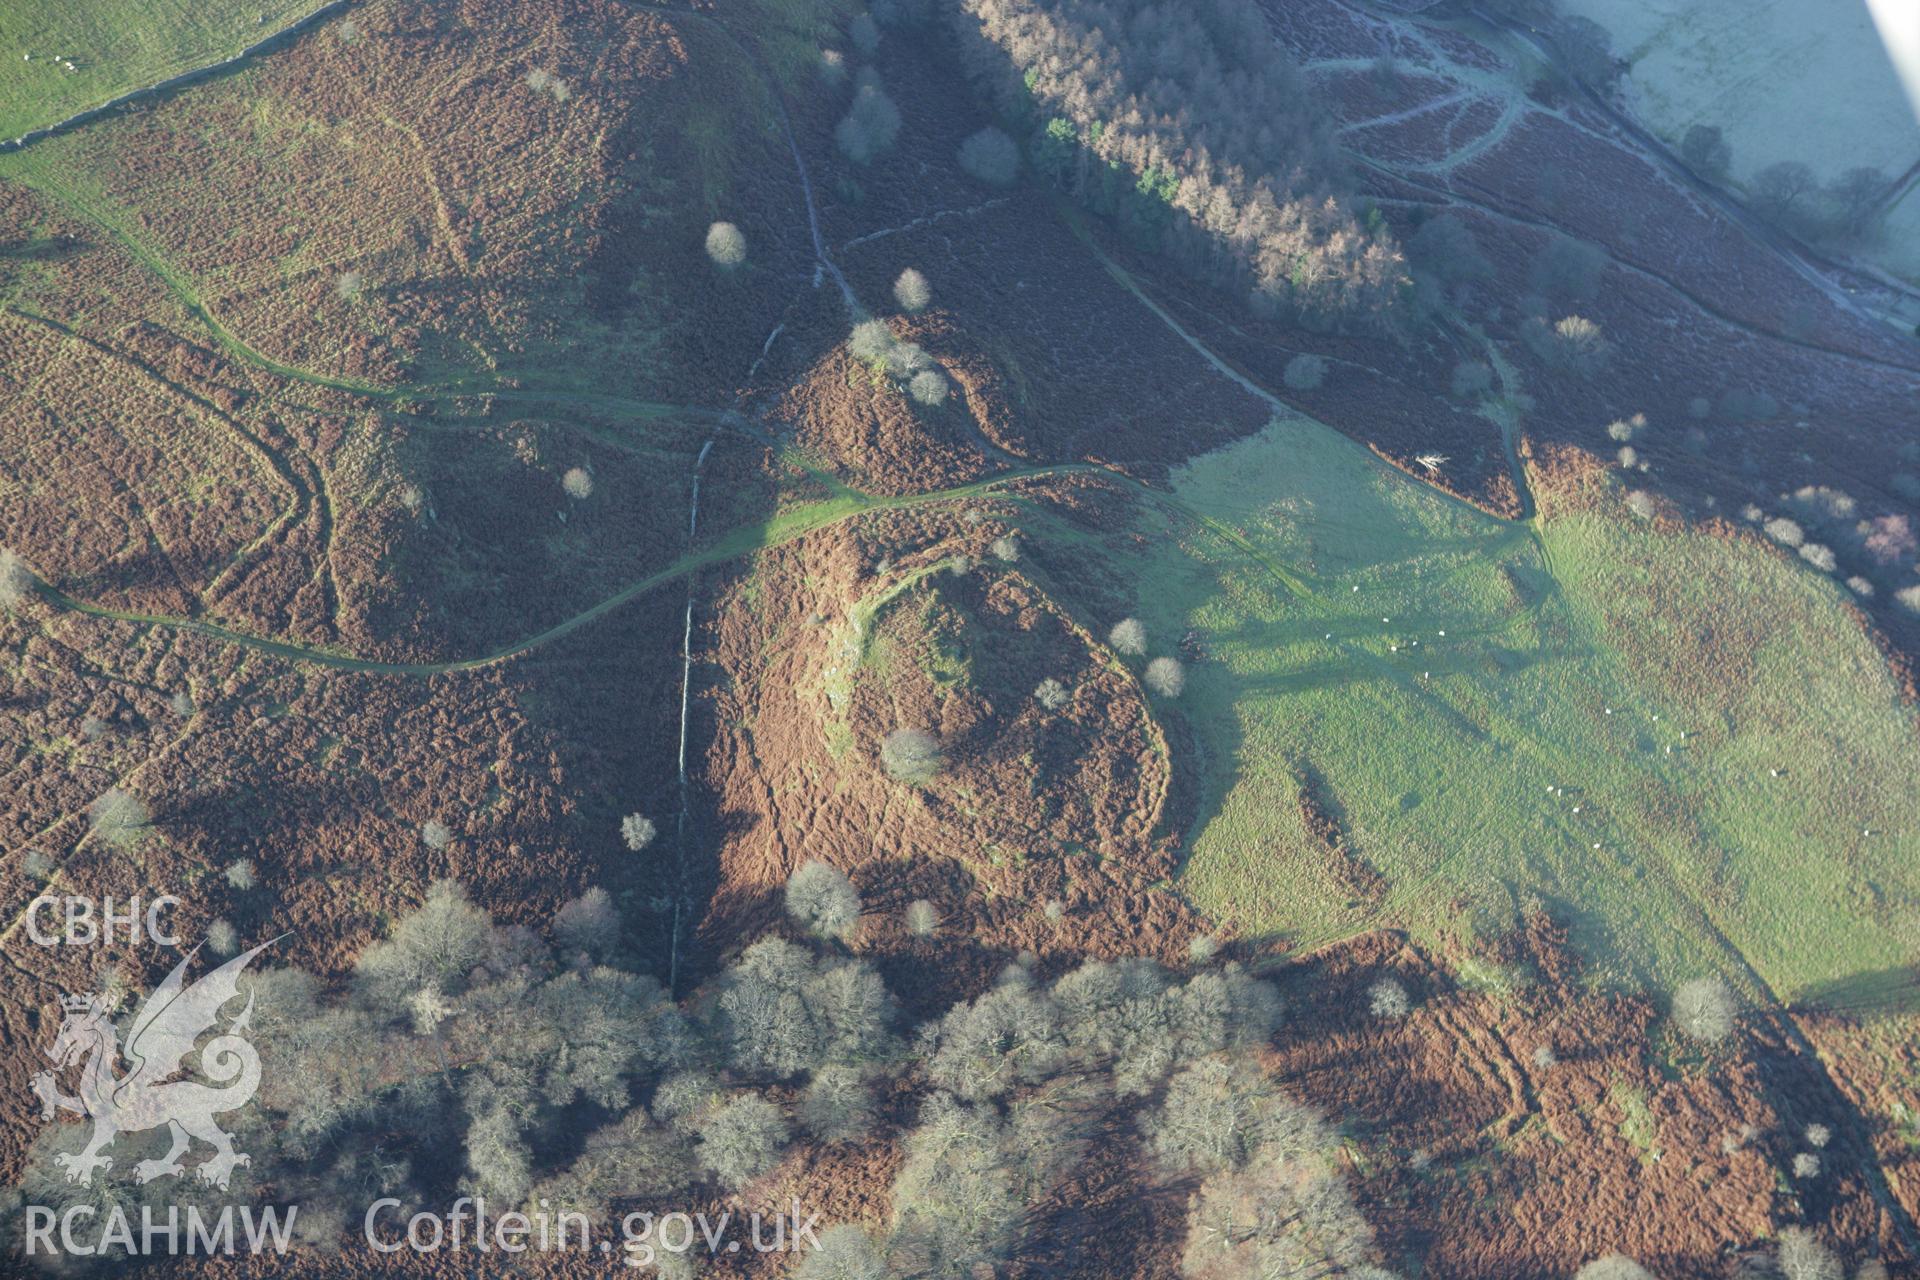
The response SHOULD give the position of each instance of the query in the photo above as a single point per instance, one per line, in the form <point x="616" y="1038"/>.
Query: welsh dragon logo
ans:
<point x="163" y="1034"/>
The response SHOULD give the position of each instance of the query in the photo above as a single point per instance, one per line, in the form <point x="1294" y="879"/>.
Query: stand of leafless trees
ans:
<point x="534" y="1067"/>
<point x="1185" y="124"/>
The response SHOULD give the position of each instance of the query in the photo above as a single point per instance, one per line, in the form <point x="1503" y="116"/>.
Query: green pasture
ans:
<point x="116" y="46"/>
<point x="1681" y="743"/>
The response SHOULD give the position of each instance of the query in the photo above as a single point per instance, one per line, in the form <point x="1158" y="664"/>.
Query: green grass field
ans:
<point x="116" y="46"/>
<point x="1497" y="711"/>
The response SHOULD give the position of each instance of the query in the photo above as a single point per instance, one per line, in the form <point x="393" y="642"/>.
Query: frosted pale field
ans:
<point x="1899" y="249"/>
<point x="1763" y="71"/>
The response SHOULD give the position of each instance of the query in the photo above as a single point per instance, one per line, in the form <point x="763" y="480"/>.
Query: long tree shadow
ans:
<point x="1801" y="1090"/>
<point x="43" y="248"/>
<point x="1871" y="995"/>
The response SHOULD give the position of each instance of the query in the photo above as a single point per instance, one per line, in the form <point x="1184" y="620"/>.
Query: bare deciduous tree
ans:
<point x="440" y="944"/>
<point x="540" y="80"/>
<point x="589" y="924"/>
<point x="1626" y="430"/>
<point x="16" y="582"/>
<point x="1574" y="342"/>
<point x="1305" y="372"/>
<point x="1825" y="506"/>
<point x="928" y="388"/>
<point x="741" y="1139"/>
<point x="970" y="1168"/>
<point x="1166" y="677"/>
<point x="1129" y="637"/>
<point x="907" y="360"/>
<point x="119" y="819"/>
<point x="846" y="1252"/>
<point x="1008" y="1036"/>
<point x="870" y="127"/>
<point x="637" y="832"/>
<point x="837" y="1104"/>
<point x="1780" y="190"/>
<point x="1388" y="999"/>
<point x="911" y="755"/>
<point x="1219" y="1112"/>
<point x="499" y="1158"/>
<point x="912" y="291"/>
<point x="990" y="156"/>
<point x="1568" y="270"/>
<point x="1856" y="195"/>
<point x="1706" y="152"/>
<point x="684" y="1097"/>
<point x="782" y="1011"/>
<point x="871" y="341"/>
<point x="1803" y="1257"/>
<point x="1889" y="539"/>
<point x="823" y="900"/>
<point x="1704" y="1009"/>
<point x="726" y="245"/>
<point x="1051" y="694"/>
<point x="1787" y="533"/>
<point x="1133" y="1017"/>
<point x="631" y="1157"/>
<point x="1445" y="250"/>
